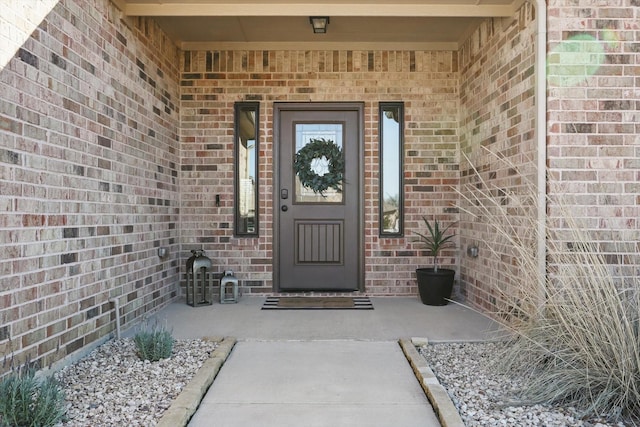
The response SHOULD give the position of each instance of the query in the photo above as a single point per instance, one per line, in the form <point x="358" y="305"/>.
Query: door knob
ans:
<point x="284" y="208"/>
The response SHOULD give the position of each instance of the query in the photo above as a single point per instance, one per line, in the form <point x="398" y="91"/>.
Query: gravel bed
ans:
<point x="478" y="391"/>
<point x="113" y="387"/>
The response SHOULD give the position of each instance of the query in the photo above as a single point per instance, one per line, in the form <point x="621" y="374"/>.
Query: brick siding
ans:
<point x="89" y="163"/>
<point x="594" y="122"/>
<point x="497" y="121"/>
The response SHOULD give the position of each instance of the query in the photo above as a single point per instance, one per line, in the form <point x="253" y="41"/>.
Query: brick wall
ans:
<point x="594" y="116"/>
<point x="592" y="144"/>
<point x="427" y="82"/>
<point x="497" y="121"/>
<point x="89" y="162"/>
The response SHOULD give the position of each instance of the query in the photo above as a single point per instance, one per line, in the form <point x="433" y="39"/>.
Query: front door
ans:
<point x="318" y="197"/>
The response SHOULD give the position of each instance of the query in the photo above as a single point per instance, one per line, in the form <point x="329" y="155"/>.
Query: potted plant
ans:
<point x="435" y="284"/>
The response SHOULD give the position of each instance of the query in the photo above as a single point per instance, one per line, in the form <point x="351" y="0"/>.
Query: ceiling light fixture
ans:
<point x="319" y="24"/>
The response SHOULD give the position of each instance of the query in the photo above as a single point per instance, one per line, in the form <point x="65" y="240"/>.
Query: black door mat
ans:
<point x="317" y="303"/>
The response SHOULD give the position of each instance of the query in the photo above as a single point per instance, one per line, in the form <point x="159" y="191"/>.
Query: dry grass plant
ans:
<point x="577" y="328"/>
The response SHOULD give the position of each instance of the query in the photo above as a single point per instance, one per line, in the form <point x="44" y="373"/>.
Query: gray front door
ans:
<point x="318" y="240"/>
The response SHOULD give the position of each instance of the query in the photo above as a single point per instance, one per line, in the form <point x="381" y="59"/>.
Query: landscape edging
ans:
<point x="187" y="402"/>
<point x="442" y="404"/>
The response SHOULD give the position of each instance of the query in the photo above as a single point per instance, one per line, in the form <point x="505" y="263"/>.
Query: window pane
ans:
<point x="391" y="165"/>
<point x="246" y="168"/>
<point x="325" y="135"/>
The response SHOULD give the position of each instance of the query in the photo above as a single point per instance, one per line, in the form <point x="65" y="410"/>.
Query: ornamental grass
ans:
<point x="576" y="339"/>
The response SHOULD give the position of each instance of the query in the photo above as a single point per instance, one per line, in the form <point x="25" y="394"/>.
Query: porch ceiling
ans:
<point x="355" y="24"/>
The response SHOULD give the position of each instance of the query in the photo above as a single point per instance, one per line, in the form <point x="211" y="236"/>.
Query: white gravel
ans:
<point x="478" y="390"/>
<point x="113" y="387"/>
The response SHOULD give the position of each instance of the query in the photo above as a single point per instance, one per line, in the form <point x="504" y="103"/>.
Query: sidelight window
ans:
<point x="246" y="168"/>
<point x="391" y="134"/>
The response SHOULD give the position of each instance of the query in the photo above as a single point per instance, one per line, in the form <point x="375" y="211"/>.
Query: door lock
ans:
<point x="284" y="208"/>
<point x="284" y="193"/>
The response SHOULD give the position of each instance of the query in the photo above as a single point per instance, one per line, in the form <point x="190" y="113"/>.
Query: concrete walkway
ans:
<point x="315" y="383"/>
<point x="320" y="367"/>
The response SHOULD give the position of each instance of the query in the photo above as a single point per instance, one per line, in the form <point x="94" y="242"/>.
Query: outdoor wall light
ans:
<point x="162" y="252"/>
<point x="472" y="251"/>
<point x="319" y="24"/>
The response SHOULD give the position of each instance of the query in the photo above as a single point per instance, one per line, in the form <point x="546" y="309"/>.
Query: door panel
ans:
<point x="319" y="242"/>
<point x="318" y="233"/>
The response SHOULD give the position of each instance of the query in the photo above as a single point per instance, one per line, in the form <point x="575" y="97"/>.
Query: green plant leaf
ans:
<point x="436" y="239"/>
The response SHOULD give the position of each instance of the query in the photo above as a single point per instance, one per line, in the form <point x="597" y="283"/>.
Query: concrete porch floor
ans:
<point x="392" y="318"/>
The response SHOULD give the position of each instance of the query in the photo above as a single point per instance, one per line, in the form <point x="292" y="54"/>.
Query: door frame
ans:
<point x="278" y="108"/>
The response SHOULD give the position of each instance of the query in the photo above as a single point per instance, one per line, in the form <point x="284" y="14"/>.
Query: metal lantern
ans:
<point x="198" y="264"/>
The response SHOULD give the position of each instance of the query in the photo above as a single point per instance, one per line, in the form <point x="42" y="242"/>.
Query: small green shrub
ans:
<point x="26" y="401"/>
<point x="155" y="344"/>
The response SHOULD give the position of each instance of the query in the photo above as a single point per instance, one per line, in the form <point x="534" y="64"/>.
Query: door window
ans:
<point x="319" y="163"/>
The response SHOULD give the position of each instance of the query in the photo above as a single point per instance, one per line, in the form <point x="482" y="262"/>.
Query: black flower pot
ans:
<point x="435" y="286"/>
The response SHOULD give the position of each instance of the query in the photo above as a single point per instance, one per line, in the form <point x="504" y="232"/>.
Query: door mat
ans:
<point x="317" y="303"/>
